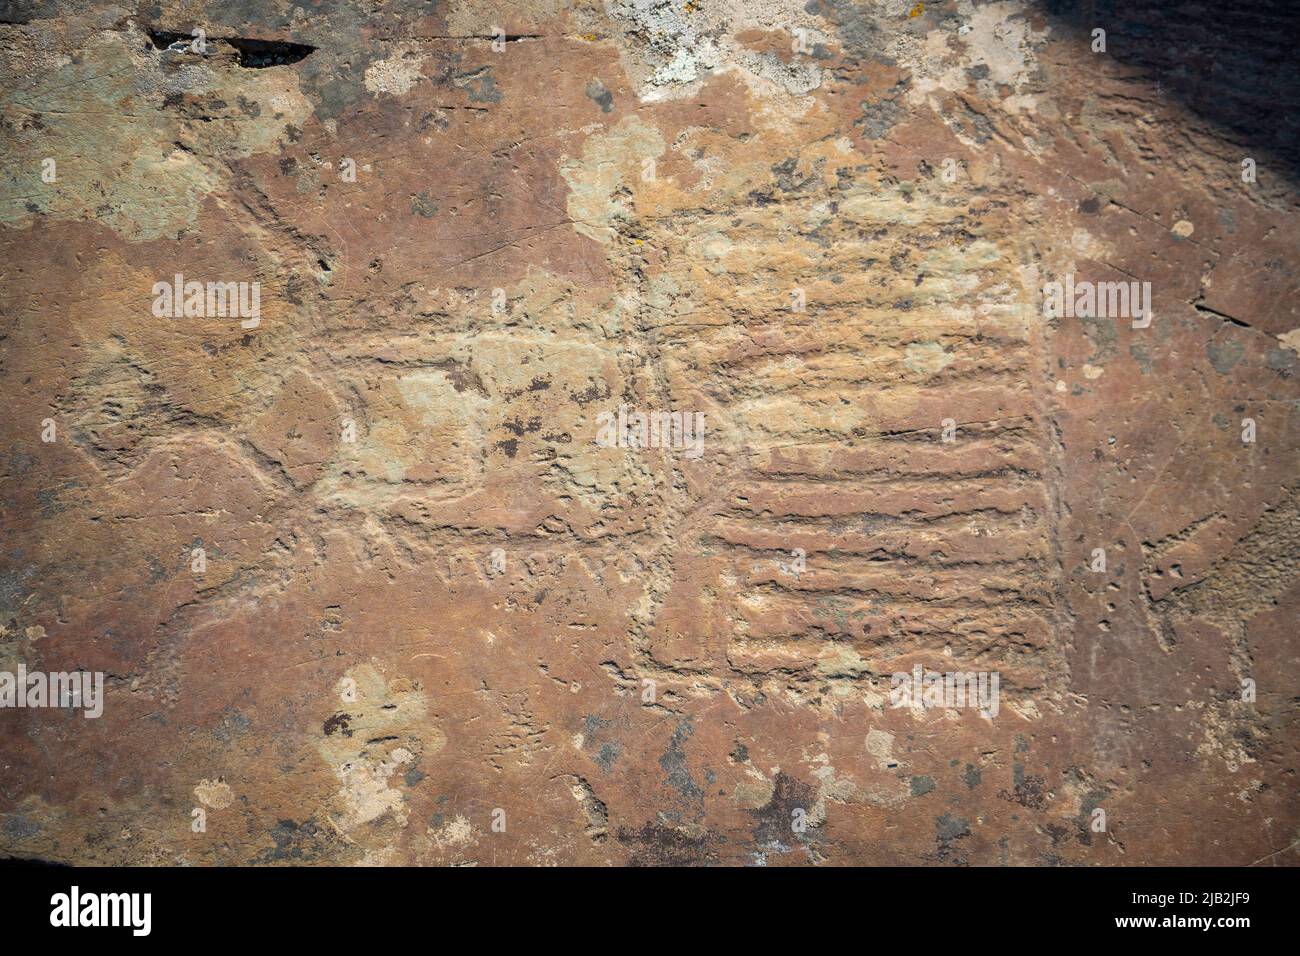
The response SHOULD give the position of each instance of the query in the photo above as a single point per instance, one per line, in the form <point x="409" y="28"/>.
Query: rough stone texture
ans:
<point x="457" y="611"/>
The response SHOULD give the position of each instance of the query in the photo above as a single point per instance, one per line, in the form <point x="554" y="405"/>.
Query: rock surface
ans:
<point x="365" y="581"/>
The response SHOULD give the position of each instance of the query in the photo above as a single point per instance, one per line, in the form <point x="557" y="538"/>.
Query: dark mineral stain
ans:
<point x="1029" y="791"/>
<point x="658" y="845"/>
<point x="600" y="96"/>
<point x="1224" y="356"/>
<point x="1102" y="335"/>
<point x="609" y="752"/>
<point x="18" y="827"/>
<point x="673" y="763"/>
<point x="948" y="830"/>
<point x="303" y="842"/>
<point x="232" y="725"/>
<point x="878" y="118"/>
<point x="520" y="428"/>
<point x="1142" y="356"/>
<point x="1280" y="360"/>
<point x="336" y="723"/>
<point x="593" y="392"/>
<point x="480" y="84"/>
<point x="860" y="34"/>
<point x="774" y="821"/>
<point x="422" y="205"/>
